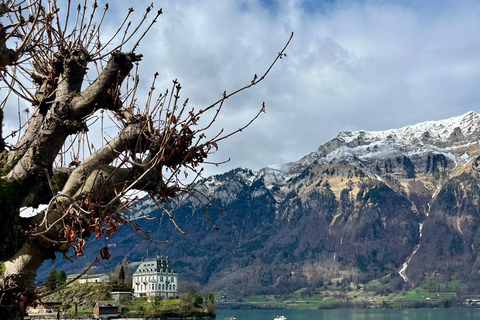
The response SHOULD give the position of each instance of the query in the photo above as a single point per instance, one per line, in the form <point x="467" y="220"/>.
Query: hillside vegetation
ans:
<point x="400" y="203"/>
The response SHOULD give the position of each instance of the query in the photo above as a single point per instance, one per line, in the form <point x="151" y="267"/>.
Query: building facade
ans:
<point x="94" y="278"/>
<point x="105" y="310"/>
<point x="154" y="277"/>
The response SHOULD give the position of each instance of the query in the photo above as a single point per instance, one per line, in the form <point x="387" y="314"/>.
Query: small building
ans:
<point x="473" y="303"/>
<point x="105" y="310"/>
<point x="154" y="277"/>
<point x="94" y="278"/>
<point x="48" y="307"/>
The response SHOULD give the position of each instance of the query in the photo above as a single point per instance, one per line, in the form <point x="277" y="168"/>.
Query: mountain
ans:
<point x="402" y="202"/>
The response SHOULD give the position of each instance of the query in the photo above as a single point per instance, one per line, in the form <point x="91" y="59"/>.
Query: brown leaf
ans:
<point x="104" y="254"/>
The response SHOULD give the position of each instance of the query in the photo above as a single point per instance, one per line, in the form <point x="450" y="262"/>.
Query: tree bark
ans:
<point x="18" y="279"/>
<point x="29" y="179"/>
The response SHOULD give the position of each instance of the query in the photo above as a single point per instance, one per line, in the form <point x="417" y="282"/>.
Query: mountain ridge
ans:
<point x="358" y="208"/>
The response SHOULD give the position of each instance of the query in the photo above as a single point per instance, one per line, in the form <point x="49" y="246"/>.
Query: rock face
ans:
<point x="358" y="208"/>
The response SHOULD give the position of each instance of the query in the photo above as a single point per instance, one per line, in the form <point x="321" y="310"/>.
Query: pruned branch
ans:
<point x="85" y="182"/>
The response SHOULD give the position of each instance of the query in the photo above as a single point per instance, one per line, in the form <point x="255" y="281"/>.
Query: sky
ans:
<point x="370" y="65"/>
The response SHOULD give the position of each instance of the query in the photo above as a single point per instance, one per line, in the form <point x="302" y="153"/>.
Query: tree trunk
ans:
<point x="18" y="280"/>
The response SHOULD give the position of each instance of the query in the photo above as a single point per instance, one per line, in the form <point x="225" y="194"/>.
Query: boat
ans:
<point x="280" y="318"/>
<point x="230" y="318"/>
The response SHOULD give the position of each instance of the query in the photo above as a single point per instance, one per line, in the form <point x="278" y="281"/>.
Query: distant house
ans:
<point x="48" y="307"/>
<point x="473" y="303"/>
<point x="105" y="310"/>
<point x="94" y="278"/>
<point x="154" y="277"/>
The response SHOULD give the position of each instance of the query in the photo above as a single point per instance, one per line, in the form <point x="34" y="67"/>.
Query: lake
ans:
<point x="368" y="314"/>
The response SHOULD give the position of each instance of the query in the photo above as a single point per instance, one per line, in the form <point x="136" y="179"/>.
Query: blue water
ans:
<point x="377" y="314"/>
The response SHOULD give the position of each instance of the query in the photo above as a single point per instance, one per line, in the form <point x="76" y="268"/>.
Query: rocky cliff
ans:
<point x="365" y="204"/>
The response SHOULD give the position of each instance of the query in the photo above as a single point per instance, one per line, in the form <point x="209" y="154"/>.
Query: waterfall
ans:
<point x="402" y="271"/>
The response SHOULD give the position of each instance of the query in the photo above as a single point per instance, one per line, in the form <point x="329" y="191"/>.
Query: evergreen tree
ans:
<point x="198" y="301"/>
<point x="51" y="282"/>
<point x="61" y="277"/>
<point x="121" y="276"/>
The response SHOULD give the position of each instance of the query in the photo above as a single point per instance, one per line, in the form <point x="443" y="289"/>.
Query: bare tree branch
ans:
<point x="149" y="147"/>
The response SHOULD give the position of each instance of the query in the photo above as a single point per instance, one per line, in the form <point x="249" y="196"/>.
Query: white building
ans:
<point x="154" y="277"/>
<point x="95" y="278"/>
<point x="91" y="278"/>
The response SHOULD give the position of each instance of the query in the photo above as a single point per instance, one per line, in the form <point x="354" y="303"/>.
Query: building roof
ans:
<point x="50" y="302"/>
<point x="158" y="264"/>
<point x="89" y="276"/>
<point x="106" y="304"/>
<point x="98" y="275"/>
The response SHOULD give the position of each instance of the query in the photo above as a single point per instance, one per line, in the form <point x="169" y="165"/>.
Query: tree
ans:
<point x="17" y="29"/>
<point x="127" y="281"/>
<point x="51" y="282"/>
<point x="121" y="276"/>
<point x="154" y="308"/>
<point x="61" y="277"/>
<point x="210" y="303"/>
<point x="198" y="301"/>
<point x="53" y="161"/>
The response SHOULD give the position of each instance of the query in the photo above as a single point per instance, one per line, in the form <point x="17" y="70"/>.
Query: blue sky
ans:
<point x="352" y="65"/>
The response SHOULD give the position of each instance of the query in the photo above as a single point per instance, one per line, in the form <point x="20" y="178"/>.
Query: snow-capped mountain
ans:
<point x="449" y="132"/>
<point x="401" y="202"/>
<point x="449" y="137"/>
<point x="456" y="139"/>
<point x="378" y="191"/>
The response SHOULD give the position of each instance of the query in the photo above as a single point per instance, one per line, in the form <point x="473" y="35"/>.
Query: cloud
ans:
<point x="371" y="65"/>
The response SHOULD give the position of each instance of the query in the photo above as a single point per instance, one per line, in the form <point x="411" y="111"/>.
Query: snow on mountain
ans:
<point x="433" y="132"/>
<point x="141" y="208"/>
<point x="451" y="137"/>
<point x="448" y="137"/>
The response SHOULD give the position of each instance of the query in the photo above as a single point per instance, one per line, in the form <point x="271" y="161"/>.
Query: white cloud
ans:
<point x="369" y="65"/>
<point x="352" y="65"/>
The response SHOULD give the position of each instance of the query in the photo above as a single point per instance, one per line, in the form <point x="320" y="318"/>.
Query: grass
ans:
<point x="432" y="292"/>
<point x="306" y="307"/>
<point x="80" y="310"/>
<point x="411" y="295"/>
<point x="337" y="298"/>
<point x="257" y="299"/>
<point x="453" y="285"/>
<point x="315" y="298"/>
<point x="295" y="296"/>
<point x="168" y="304"/>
